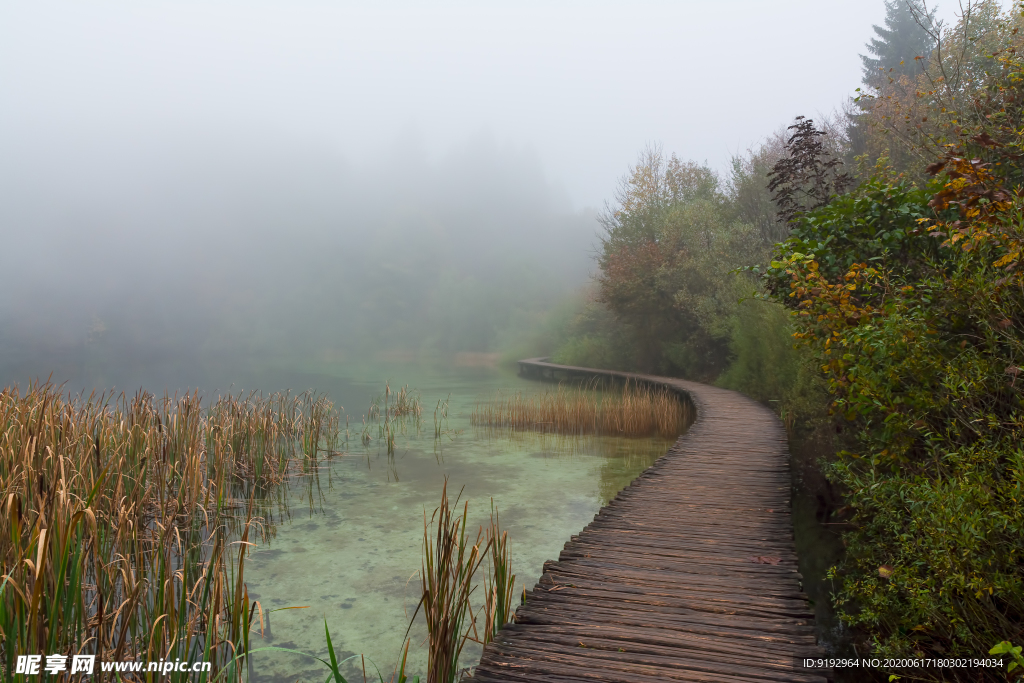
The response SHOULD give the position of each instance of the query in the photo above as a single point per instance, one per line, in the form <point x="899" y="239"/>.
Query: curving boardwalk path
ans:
<point x="689" y="574"/>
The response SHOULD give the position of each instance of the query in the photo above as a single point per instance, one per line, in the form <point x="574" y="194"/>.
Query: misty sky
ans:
<point x="579" y="86"/>
<point x="189" y="185"/>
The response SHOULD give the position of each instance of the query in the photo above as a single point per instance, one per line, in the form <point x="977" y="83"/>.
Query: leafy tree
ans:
<point x="904" y="37"/>
<point x="751" y="200"/>
<point x="666" y="262"/>
<point x="666" y="298"/>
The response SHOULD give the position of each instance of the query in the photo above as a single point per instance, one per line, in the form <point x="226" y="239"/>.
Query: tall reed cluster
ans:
<point x="633" y="410"/>
<point x="450" y="565"/>
<point x="404" y="402"/>
<point x="118" y="520"/>
<point x="499" y="582"/>
<point x="391" y="410"/>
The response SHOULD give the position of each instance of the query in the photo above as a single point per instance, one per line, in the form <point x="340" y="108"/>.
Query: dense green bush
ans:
<point x="921" y="352"/>
<point x="878" y="223"/>
<point x="766" y="366"/>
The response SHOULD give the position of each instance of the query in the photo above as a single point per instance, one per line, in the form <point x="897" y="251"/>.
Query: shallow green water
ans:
<point x="355" y="558"/>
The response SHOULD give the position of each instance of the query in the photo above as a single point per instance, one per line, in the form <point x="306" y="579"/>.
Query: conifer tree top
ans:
<point x="898" y="42"/>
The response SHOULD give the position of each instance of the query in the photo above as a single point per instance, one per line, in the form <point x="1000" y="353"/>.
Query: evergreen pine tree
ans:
<point x="898" y="42"/>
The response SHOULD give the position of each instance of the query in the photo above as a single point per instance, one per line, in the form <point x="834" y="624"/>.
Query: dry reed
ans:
<point x="632" y="411"/>
<point x="392" y="410"/>
<point x="449" y="565"/>
<point x="405" y="403"/>
<point x="117" y="514"/>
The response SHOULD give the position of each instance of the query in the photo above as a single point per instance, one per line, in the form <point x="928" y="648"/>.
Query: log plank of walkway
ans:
<point x="689" y="574"/>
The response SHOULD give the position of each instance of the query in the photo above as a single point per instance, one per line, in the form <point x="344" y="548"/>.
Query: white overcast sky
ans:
<point x="581" y="86"/>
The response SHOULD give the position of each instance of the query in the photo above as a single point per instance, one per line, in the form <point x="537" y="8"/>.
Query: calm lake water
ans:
<point x="354" y="558"/>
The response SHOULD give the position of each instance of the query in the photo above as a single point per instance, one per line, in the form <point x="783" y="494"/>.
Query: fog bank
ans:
<point x="209" y="247"/>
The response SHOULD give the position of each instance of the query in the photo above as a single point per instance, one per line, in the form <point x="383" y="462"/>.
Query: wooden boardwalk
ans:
<point x="689" y="574"/>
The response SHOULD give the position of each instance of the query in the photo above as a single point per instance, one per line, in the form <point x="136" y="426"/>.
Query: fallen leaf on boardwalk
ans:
<point x="765" y="559"/>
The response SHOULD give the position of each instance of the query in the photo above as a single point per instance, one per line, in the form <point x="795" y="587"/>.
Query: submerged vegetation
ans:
<point x="633" y="410"/>
<point x="125" y="520"/>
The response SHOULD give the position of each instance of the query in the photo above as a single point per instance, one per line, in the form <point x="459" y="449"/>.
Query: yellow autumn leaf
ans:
<point x="1007" y="258"/>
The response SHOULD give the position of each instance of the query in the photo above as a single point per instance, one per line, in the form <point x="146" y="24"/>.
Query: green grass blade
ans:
<point x="334" y="658"/>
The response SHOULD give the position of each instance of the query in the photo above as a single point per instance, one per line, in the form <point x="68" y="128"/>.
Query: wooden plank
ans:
<point x="611" y="655"/>
<point x="685" y="590"/>
<point x="688" y="574"/>
<point x="644" y="637"/>
<point x="674" y="604"/>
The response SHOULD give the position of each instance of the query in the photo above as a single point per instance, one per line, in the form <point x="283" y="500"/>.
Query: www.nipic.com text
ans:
<point x="33" y="665"/>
